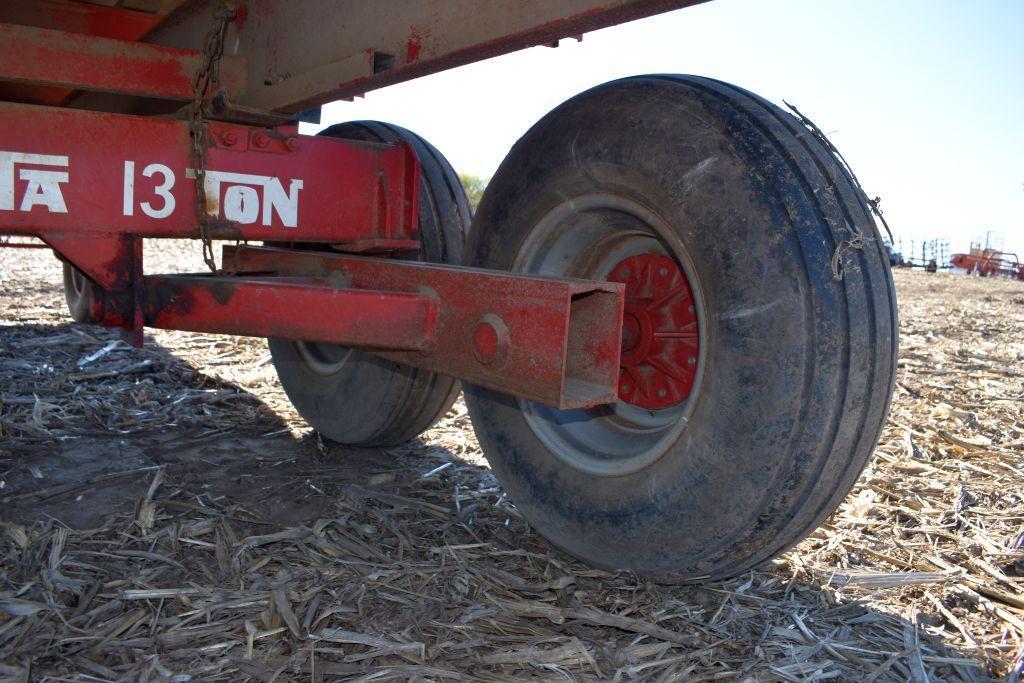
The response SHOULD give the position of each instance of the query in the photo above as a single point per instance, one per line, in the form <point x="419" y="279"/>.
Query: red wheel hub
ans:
<point x="659" y="332"/>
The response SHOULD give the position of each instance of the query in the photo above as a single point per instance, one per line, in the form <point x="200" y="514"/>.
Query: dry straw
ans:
<point x="219" y="540"/>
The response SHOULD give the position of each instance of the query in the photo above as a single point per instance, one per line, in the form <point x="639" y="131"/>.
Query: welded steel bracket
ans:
<point x="552" y="340"/>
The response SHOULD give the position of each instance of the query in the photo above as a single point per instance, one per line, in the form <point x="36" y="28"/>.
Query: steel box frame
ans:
<point x="65" y="179"/>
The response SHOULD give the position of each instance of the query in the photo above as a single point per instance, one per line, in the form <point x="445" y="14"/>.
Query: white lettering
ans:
<point x="286" y="205"/>
<point x="43" y="190"/>
<point x="163" y="191"/>
<point x="43" y="187"/>
<point x="241" y="204"/>
<point x="128" y="201"/>
<point x="241" y="199"/>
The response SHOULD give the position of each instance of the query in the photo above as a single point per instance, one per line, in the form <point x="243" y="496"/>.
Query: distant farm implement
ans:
<point x="989" y="263"/>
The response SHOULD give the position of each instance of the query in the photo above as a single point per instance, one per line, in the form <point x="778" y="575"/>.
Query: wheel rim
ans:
<point x="611" y="237"/>
<point x="323" y="359"/>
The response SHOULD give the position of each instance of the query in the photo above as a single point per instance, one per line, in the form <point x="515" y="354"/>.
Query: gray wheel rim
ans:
<point x="585" y="237"/>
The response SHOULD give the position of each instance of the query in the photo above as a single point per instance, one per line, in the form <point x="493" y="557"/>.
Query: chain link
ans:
<point x="205" y="86"/>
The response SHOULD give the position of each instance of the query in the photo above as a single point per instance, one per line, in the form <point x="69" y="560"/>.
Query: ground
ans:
<point x="167" y="516"/>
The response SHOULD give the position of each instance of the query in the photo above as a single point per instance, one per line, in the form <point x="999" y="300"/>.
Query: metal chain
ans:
<point x="204" y="86"/>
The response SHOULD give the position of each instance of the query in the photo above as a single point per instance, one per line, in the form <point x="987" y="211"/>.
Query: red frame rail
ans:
<point x="68" y="171"/>
<point x="553" y="340"/>
<point x="92" y="184"/>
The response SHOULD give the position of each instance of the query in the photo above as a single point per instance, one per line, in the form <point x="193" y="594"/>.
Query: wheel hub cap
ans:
<point x="659" y="332"/>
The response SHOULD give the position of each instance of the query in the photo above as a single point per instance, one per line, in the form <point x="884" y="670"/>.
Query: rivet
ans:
<point x="229" y="139"/>
<point x="692" y="360"/>
<point x="292" y="144"/>
<point x="661" y="393"/>
<point x="260" y="140"/>
<point x="663" y="272"/>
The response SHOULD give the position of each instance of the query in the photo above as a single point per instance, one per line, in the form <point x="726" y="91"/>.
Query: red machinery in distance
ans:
<point x="989" y="262"/>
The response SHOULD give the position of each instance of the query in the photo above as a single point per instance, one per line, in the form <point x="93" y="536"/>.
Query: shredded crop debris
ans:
<point x="168" y="516"/>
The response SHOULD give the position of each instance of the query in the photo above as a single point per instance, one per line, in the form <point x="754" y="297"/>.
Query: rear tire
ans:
<point x="84" y="298"/>
<point x="354" y="397"/>
<point x="795" y="366"/>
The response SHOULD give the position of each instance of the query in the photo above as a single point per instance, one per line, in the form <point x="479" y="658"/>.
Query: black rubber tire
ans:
<point x="82" y="295"/>
<point x="370" y="401"/>
<point x="798" y="365"/>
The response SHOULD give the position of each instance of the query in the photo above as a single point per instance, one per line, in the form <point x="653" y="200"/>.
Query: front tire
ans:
<point x="764" y="391"/>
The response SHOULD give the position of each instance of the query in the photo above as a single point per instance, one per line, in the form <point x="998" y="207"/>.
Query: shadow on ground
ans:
<point x="286" y="546"/>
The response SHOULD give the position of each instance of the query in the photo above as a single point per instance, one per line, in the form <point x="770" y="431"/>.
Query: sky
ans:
<point x="924" y="98"/>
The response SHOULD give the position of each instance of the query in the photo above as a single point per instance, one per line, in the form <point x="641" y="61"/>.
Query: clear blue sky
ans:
<point x="925" y="98"/>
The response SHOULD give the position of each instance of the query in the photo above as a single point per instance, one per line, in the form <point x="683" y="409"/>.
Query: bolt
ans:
<point x="292" y="144"/>
<point x="490" y="340"/>
<point x="260" y="140"/>
<point x="229" y="139"/>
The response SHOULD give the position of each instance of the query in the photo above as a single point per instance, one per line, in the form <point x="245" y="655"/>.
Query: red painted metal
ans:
<point x="989" y="262"/>
<point x="311" y="309"/>
<point x="92" y="185"/>
<point x="76" y="17"/>
<point x="305" y="53"/>
<point x="660" y="344"/>
<point x="74" y="60"/>
<point x="65" y="172"/>
<point x="108" y="260"/>
<point x="79" y="17"/>
<point x="552" y="340"/>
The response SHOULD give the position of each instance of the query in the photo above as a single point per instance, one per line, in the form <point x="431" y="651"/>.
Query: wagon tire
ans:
<point x="354" y="397"/>
<point x="785" y="335"/>
<point x="84" y="298"/>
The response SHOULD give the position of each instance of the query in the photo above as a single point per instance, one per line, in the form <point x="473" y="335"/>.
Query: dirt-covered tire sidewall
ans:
<point x="796" y="366"/>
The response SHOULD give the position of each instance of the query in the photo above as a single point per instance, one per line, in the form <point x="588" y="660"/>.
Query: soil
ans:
<point x="919" y="574"/>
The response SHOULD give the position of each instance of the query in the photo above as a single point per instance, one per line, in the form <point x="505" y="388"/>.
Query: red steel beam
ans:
<point x="552" y="340"/>
<point x="74" y="60"/>
<point x="67" y="173"/>
<point x="76" y="17"/>
<point x="79" y="17"/>
<point x="311" y="309"/>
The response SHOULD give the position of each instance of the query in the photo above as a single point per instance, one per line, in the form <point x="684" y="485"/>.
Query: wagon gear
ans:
<point x="672" y="317"/>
